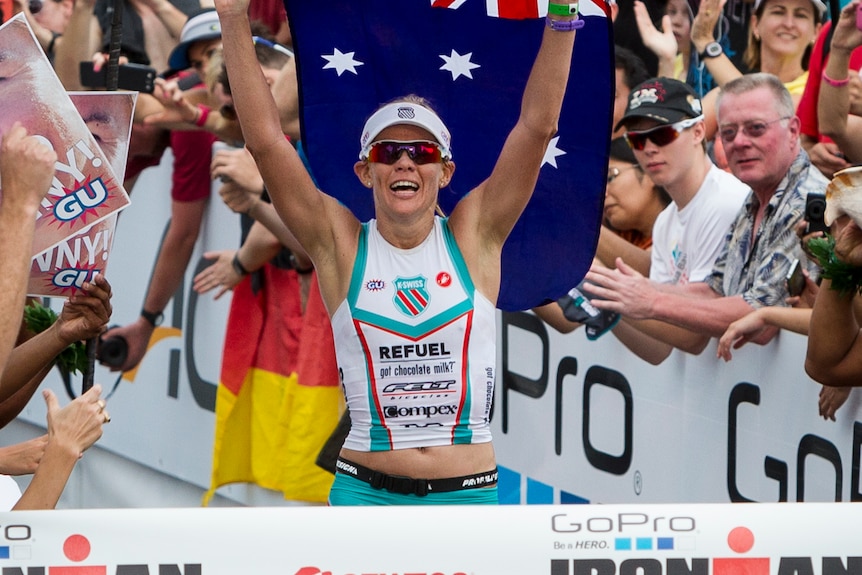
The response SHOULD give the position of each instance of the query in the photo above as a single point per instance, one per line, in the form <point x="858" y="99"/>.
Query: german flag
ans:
<point x="279" y="397"/>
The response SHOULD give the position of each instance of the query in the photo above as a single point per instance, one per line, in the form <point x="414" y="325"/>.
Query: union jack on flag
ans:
<point x="470" y="59"/>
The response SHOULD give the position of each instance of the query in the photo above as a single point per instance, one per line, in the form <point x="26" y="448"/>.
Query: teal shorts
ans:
<point x="347" y="490"/>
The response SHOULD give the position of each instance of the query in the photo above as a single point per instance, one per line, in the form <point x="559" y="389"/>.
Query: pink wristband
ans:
<point x="835" y="83"/>
<point x="201" y="120"/>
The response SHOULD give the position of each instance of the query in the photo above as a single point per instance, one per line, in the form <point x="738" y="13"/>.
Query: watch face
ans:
<point x="713" y="49"/>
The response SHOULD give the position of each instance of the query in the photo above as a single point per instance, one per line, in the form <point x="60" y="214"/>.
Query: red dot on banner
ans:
<point x="740" y="539"/>
<point x="76" y="548"/>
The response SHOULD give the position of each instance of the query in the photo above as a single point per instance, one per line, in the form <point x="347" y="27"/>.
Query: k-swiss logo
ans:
<point x="406" y="113"/>
<point x="444" y="279"/>
<point x="411" y="295"/>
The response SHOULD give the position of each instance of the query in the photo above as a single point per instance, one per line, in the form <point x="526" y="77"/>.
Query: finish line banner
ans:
<point x="718" y="539"/>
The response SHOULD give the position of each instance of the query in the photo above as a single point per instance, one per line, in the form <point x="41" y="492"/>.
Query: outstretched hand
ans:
<point x="220" y="274"/>
<point x="78" y="425"/>
<point x="845" y="35"/>
<point x="176" y="108"/>
<point x="623" y="290"/>
<point x="740" y="332"/>
<point x="663" y="44"/>
<point x="137" y="336"/>
<point x="703" y="25"/>
<point x="831" y="399"/>
<point x="85" y="315"/>
<point x="22" y="458"/>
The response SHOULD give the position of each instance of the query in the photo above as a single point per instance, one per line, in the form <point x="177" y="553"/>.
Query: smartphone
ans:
<point x="795" y="279"/>
<point x="815" y="208"/>
<point x="135" y="77"/>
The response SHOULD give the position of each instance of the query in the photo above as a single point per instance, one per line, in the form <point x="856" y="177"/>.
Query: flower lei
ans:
<point x="845" y="278"/>
<point x="38" y="318"/>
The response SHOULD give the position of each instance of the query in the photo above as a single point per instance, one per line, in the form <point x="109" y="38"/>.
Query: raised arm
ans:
<point x="702" y="34"/>
<point x="663" y="44"/>
<point x="26" y="169"/>
<point x="492" y="209"/>
<point x="833" y="107"/>
<point x="324" y="227"/>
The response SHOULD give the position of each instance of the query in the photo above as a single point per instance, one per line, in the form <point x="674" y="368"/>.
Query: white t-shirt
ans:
<point x="686" y="242"/>
<point x="10" y="493"/>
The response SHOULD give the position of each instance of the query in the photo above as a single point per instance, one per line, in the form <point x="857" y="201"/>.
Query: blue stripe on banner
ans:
<point x="664" y="543"/>
<point x="623" y="544"/>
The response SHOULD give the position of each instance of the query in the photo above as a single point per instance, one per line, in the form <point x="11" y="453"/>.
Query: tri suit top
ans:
<point x="416" y="346"/>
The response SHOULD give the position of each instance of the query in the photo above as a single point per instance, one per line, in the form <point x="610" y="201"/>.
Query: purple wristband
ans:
<point x="564" y="25"/>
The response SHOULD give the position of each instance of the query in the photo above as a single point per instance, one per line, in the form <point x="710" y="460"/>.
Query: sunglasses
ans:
<point x="389" y="151"/>
<point x="614" y="173"/>
<point x="272" y="45"/>
<point x="754" y="129"/>
<point x="660" y="135"/>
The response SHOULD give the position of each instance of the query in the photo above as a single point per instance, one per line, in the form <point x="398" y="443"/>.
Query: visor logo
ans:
<point x="406" y="113"/>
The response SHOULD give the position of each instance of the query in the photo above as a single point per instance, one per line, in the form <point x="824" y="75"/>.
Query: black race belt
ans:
<point x="408" y="485"/>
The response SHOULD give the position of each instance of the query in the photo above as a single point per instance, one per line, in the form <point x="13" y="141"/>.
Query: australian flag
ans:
<point x="471" y="60"/>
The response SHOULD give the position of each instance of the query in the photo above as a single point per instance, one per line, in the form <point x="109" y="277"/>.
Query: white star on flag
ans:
<point x="341" y="62"/>
<point x="459" y="65"/>
<point x="552" y="153"/>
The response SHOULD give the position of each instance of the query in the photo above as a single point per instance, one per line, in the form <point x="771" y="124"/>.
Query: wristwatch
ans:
<point x="563" y="9"/>
<point x="712" y="50"/>
<point x="154" y="318"/>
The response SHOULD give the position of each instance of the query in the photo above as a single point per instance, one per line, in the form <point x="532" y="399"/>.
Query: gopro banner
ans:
<point x="774" y="539"/>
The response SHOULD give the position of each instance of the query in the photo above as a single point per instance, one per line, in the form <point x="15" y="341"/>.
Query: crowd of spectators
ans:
<point x="776" y="106"/>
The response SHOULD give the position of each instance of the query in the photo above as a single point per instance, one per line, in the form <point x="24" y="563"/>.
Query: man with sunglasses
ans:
<point x="665" y="129"/>
<point x="760" y="133"/>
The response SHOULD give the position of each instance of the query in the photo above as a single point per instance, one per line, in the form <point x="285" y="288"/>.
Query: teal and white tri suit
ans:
<point x="416" y="346"/>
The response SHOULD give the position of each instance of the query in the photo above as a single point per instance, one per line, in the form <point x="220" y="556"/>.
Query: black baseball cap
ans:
<point x="662" y="99"/>
<point x="620" y="150"/>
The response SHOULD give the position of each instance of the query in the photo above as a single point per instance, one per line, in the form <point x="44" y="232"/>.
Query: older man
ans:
<point x="760" y="134"/>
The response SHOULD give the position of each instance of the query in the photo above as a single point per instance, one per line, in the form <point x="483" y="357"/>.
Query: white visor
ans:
<point x="405" y="113"/>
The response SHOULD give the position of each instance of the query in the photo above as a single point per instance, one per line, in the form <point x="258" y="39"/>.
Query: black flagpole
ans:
<point x="111" y="83"/>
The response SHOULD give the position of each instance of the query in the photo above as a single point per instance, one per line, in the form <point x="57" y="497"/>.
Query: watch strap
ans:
<point x="563" y="9"/>
<point x="153" y="318"/>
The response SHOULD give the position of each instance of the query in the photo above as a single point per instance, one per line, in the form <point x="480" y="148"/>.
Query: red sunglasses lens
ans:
<point x="419" y="152"/>
<point x="661" y="136"/>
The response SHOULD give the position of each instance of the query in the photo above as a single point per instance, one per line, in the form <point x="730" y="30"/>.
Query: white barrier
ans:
<point x="770" y="539"/>
<point x="582" y="421"/>
<point x="574" y="420"/>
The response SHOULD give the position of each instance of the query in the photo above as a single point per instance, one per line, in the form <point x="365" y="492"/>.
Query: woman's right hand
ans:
<point x="846" y="35"/>
<point x="232" y="7"/>
<point x="703" y="26"/>
<point x="663" y="44"/>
